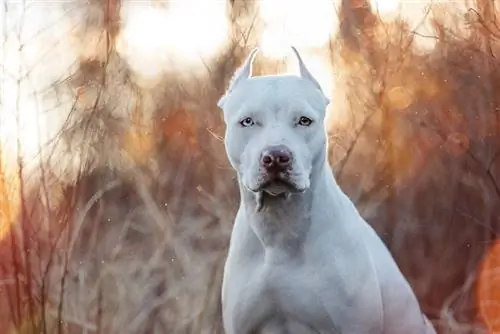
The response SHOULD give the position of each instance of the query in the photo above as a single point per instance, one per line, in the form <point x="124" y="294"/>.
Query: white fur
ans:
<point x="306" y="262"/>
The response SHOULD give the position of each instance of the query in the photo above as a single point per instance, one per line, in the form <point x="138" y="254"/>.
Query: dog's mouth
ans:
<point x="278" y="184"/>
<point x="275" y="189"/>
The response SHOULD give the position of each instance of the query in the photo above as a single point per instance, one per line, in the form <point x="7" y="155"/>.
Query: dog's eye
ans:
<point x="304" y="121"/>
<point x="246" y="122"/>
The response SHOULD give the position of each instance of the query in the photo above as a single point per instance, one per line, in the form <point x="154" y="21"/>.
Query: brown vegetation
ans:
<point x="134" y="241"/>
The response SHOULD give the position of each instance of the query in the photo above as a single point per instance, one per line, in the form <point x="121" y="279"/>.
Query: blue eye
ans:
<point x="304" y="121"/>
<point x="246" y="122"/>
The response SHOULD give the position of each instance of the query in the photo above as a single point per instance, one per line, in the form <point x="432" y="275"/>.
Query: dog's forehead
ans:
<point x="274" y="92"/>
<point x="279" y="87"/>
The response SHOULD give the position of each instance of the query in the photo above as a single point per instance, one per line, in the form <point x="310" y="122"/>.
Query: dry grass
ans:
<point x="125" y="225"/>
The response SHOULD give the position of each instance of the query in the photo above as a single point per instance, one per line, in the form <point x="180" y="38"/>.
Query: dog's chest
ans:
<point x="290" y="298"/>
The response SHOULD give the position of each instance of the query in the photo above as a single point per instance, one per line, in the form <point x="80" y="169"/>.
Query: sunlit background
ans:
<point x="57" y="122"/>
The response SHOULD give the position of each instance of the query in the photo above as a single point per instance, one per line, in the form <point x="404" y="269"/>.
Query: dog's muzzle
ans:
<point x="275" y="168"/>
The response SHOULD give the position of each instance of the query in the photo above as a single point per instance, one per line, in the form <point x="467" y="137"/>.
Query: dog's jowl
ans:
<point x="301" y="258"/>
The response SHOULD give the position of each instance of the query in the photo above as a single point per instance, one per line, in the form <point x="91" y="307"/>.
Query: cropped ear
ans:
<point x="241" y="74"/>
<point x="304" y="73"/>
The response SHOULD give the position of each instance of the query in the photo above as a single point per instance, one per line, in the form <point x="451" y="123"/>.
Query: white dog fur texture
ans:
<point x="301" y="258"/>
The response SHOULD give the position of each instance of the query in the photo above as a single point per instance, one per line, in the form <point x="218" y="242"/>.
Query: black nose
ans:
<point x="276" y="158"/>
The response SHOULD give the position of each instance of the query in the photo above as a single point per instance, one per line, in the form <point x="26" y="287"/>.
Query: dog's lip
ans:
<point x="288" y="184"/>
<point x="267" y="180"/>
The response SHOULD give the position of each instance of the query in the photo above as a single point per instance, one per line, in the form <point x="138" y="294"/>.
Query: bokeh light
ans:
<point x="488" y="289"/>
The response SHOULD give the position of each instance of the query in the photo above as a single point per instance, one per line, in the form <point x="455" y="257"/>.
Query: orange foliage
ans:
<point x="428" y="86"/>
<point x="9" y="199"/>
<point x="138" y="144"/>
<point x="457" y="143"/>
<point x="9" y="211"/>
<point x="179" y="124"/>
<point x="488" y="289"/>
<point x="449" y="120"/>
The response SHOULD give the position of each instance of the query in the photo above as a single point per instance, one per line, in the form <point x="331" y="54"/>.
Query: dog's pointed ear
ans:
<point x="241" y="74"/>
<point x="304" y="73"/>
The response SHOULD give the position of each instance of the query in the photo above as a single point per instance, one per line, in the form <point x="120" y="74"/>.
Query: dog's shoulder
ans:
<point x="395" y="290"/>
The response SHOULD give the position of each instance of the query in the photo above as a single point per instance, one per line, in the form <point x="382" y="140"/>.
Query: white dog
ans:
<point x="301" y="258"/>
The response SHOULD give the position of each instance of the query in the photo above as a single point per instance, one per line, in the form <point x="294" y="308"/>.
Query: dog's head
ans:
<point x="275" y="134"/>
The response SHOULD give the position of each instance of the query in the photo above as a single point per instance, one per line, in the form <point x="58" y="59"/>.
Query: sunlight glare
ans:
<point x="27" y="72"/>
<point x="301" y="23"/>
<point x="48" y="54"/>
<point x="385" y="7"/>
<point x="38" y="49"/>
<point x="185" y="34"/>
<point x="21" y="121"/>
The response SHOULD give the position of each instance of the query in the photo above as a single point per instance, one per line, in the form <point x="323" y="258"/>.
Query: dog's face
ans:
<point x="274" y="129"/>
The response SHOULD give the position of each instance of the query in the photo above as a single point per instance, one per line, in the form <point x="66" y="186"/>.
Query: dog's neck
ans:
<point x="282" y="224"/>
